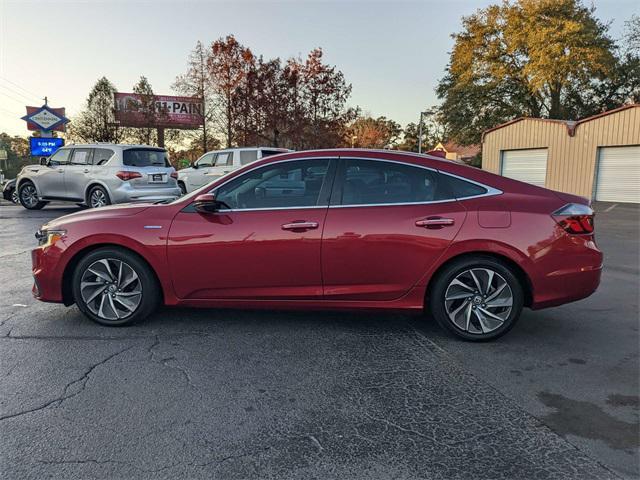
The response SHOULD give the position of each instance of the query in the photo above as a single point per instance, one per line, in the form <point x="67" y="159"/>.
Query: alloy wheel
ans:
<point x="98" y="198"/>
<point x="29" y="195"/>
<point x="14" y="196"/>
<point x="478" y="300"/>
<point x="111" y="289"/>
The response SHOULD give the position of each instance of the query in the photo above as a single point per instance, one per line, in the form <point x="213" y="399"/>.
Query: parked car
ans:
<point x="98" y="175"/>
<point x="9" y="191"/>
<point x="213" y="165"/>
<point x="372" y="230"/>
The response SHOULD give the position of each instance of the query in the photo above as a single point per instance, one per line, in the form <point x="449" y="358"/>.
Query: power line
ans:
<point x="21" y="102"/>
<point x="20" y="87"/>
<point x="26" y="99"/>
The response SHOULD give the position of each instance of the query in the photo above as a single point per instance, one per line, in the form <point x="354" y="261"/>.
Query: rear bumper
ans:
<point x="567" y="286"/>
<point x="126" y="194"/>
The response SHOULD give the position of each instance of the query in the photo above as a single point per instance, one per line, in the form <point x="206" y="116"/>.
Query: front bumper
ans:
<point x="47" y="274"/>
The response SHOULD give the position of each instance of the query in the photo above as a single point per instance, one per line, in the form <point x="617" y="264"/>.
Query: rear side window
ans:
<point x="145" y="157"/>
<point x="459" y="188"/>
<point x="268" y="153"/>
<point x="101" y="156"/>
<point x="81" y="156"/>
<point x="367" y="182"/>
<point x="248" y="156"/>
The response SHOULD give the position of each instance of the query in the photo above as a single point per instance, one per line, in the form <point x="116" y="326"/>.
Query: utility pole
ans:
<point x="422" y="115"/>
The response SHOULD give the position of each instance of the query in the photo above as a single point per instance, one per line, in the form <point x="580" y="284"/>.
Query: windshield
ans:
<point x="145" y="157"/>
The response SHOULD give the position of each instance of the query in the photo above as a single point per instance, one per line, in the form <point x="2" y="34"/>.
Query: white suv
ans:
<point x="99" y="174"/>
<point x="213" y="165"/>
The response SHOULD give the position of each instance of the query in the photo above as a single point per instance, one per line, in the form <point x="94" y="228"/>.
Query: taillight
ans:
<point x="126" y="175"/>
<point x="174" y="175"/>
<point x="575" y="218"/>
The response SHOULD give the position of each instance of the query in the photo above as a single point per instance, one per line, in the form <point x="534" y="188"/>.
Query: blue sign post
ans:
<point x="43" y="147"/>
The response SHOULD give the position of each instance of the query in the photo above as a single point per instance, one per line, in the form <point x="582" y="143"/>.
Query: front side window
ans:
<point x="206" y="160"/>
<point x="61" y="157"/>
<point x="281" y="185"/>
<point x="101" y="156"/>
<point x="224" y="159"/>
<point x="145" y="157"/>
<point x="367" y="182"/>
<point x="81" y="156"/>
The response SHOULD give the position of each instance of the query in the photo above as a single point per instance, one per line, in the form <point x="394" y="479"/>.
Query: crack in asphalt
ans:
<point x="65" y="395"/>
<point x="165" y="362"/>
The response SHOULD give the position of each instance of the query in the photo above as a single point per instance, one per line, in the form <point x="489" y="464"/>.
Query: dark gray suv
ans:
<point x="99" y="174"/>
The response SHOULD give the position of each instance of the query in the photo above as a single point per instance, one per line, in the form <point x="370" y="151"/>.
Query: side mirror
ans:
<point x="43" y="161"/>
<point x="206" y="203"/>
<point x="194" y="165"/>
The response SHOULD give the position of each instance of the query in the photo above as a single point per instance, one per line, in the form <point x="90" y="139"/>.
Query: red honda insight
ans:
<point x="342" y="229"/>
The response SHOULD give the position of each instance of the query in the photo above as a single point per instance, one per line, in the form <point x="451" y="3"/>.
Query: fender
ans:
<point x="490" y="246"/>
<point x="154" y="255"/>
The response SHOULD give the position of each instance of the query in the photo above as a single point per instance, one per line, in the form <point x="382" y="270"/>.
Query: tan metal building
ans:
<point x="596" y="157"/>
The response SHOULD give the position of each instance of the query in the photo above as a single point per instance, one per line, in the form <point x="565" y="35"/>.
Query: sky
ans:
<point x="393" y="52"/>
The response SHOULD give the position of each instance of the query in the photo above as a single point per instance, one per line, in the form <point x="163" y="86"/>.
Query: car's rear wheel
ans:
<point x="98" y="197"/>
<point x="477" y="298"/>
<point x="28" y="196"/>
<point x="115" y="287"/>
<point x="14" y="196"/>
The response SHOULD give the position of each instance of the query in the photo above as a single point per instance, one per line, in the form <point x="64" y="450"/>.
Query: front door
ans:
<point x="264" y="243"/>
<point x="222" y="164"/>
<point x="387" y="224"/>
<point x="51" y="177"/>
<point x="77" y="173"/>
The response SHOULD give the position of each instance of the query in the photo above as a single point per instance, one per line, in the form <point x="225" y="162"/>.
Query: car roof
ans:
<point x="111" y="145"/>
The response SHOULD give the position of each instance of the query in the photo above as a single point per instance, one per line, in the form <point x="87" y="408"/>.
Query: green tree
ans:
<point x="97" y="123"/>
<point x="540" y="58"/>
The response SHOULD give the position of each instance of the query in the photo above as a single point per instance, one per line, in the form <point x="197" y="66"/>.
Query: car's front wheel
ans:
<point x="477" y="298"/>
<point x="28" y="196"/>
<point x="115" y="287"/>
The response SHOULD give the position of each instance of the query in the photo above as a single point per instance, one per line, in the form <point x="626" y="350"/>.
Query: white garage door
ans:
<point x="618" y="176"/>
<point x="525" y="165"/>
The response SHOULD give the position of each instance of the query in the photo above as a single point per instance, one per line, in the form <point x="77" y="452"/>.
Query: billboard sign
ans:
<point x="169" y="111"/>
<point x="43" y="147"/>
<point x="45" y="118"/>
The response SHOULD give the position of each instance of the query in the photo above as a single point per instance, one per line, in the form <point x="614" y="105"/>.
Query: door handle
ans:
<point x="435" y="222"/>
<point x="300" y="225"/>
<point x="86" y="170"/>
<point x="60" y="170"/>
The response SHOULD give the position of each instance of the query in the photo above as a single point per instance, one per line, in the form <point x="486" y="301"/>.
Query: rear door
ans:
<point x="388" y="222"/>
<point x="78" y="173"/>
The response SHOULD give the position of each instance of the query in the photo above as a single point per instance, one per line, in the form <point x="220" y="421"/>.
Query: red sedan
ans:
<point x="331" y="229"/>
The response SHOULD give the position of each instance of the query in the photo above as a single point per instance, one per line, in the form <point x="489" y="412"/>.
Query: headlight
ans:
<point x="47" y="238"/>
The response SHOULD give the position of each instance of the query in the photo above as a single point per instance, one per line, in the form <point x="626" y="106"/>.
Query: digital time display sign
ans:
<point x="43" y="147"/>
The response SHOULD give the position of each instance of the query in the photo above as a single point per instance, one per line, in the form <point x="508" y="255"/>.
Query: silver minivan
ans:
<point x="99" y="174"/>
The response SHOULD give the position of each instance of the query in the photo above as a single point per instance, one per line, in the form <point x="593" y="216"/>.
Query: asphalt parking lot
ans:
<point x="241" y="394"/>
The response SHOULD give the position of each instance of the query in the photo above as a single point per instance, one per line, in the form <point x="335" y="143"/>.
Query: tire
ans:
<point x="98" y="197"/>
<point x="28" y="196"/>
<point x="110" y="297"/>
<point x="183" y="189"/>
<point x="14" y="197"/>
<point x="472" y="313"/>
